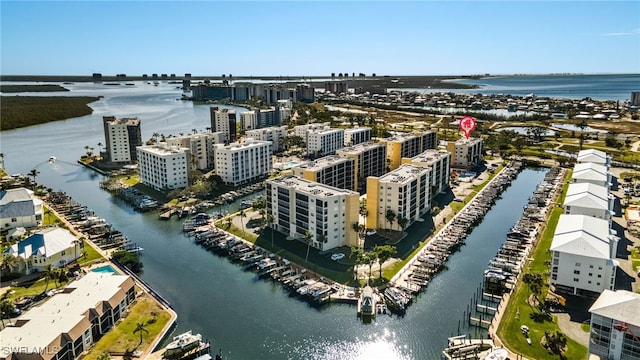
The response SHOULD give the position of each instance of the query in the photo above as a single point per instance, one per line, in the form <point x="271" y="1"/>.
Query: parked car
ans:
<point x="337" y="256"/>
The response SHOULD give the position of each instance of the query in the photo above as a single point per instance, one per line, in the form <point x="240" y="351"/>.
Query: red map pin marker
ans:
<point x="467" y="125"/>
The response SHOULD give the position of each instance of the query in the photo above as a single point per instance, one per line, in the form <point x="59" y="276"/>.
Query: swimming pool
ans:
<point x="105" y="268"/>
<point x="290" y="164"/>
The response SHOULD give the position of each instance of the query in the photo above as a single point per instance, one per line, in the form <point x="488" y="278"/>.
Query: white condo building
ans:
<point x="615" y="326"/>
<point x="275" y="134"/>
<point x="224" y="120"/>
<point x="325" y="141"/>
<point x="407" y="145"/>
<point x="332" y="170"/>
<point x="405" y="192"/>
<point x="249" y="120"/>
<point x="240" y="163"/>
<point x="594" y="156"/>
<point x="589" y="199"/>
<point x="439" y="161"/>
<point x="370" y="160"/>
<point x="356" y="135"/>
<point x="591" y="173"/>
<point x="200" y="147"/>
<point x="465" y="153"/>
<point x="583" y="255"/>
<point x="164" y="167"/>
<point x="122" y="136"/>
<point x="299" y="206"/>
<point x="302" y="130"/>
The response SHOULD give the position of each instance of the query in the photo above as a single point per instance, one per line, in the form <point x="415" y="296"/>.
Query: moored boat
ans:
<point x="181" y="344"/>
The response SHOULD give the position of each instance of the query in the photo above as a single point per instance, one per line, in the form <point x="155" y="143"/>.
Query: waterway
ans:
<point x="598" y="87"/>
<point x="249" y="318"/>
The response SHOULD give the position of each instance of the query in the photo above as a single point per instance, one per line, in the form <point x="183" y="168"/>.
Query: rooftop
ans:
<point x="405" y="173"/>
<point x="45" y="242"/>
<point x="587" y="195"/>
<point x="162" y="149"/>
<point x="323" y="162"/>
<point x="582" y="235"/>
<point x="431" y="155"/>
<point x="64" y="312"/>
<point x="310" y="187"/>
<point x="621" y="305"/>
<point x="358" y="148"/>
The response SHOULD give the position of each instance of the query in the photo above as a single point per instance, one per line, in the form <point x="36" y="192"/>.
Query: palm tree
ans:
<point x="8" y="262"/>
<point x="270" y="219"/>
<point x="357" y="253"/>
<point x="369" y="258"/>
<point x="140" y="327"/>
<point x="390" y="216"/>
<point x="308" y="238"/>
<point x="34" y="173"/>
<point x="49" y="273"/>
<point x="535" y="282"/>
<point x="242" y="215"/>
<point x="384" y="253"/>
<point x="7" y="306"/>
<point x="402" y="222"/>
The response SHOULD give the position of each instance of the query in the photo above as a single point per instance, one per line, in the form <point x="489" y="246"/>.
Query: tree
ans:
<point x="435" y="210"/>
<point x="270" y="220"/>
<point x="9" y="262"/>
<point x="2" y="160"/>
<point x="555" y="341"/>
<point x="242" y="216"/>
<point x="402" y="222"/>
<point x="384" y="253"/>
<point x="369" y="258"/>
<point x="357" y="254"/>
<point x="49" y="273"/>
<point x="535" y="281"/>
<point x="7" y="307"/>
<point x="34" y="173"/>
<point x="308" y="238"/>
<point x="390" y="216"/>
<point x="128" y="259"/>
<point x="140" y="327"/>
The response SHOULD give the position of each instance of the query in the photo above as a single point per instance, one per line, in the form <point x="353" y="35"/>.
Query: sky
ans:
<point x="309" y="38"/>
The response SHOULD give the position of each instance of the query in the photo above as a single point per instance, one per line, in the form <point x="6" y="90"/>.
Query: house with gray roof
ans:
<point x="55" y="246"/>
<point x="615" y="326"/>
<point x="19" y="208"/>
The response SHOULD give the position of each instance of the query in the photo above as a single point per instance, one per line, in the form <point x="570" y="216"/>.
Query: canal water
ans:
<point x="249" y="318"/>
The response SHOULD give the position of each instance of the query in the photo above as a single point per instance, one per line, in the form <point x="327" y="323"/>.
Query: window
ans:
<point x="577" y="272"/>
<point x="590" y="274"/>
<point x="577" y="264"/>
<point x="576" y="279"/>
<point x="14" y="219"/>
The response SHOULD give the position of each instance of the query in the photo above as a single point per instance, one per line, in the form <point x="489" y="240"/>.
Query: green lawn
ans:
<point x="33" y="289"/>
<point x="635" y="259"/>
<point x="91" y="256"/>
<point x="121" y="337"/>
<point x="519" y="312"/>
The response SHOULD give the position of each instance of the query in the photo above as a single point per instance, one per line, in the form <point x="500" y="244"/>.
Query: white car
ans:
<point x="337" y="256"/>
<point x="370" y="232"/>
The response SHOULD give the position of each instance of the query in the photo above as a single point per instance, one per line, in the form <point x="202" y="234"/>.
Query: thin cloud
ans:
<point x="633" y="32"/>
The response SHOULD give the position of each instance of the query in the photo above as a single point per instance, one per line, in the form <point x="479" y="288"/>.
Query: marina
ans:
<point x="213" y="296"/>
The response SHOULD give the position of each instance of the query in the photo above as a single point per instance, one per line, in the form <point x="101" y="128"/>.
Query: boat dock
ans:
<point x="419" y="270"/>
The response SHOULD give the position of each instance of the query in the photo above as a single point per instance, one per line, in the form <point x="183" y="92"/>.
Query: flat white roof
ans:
<point x="358" y="148"/>
<point x="323" y="162"/>
<point x="620" y="305"/>
<point x="63" y="312"/>
<point x="162" y="149"/>
<point x="430" y="156"/>
<point x="309" y="187"/>
<point x="403" y="174"/>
